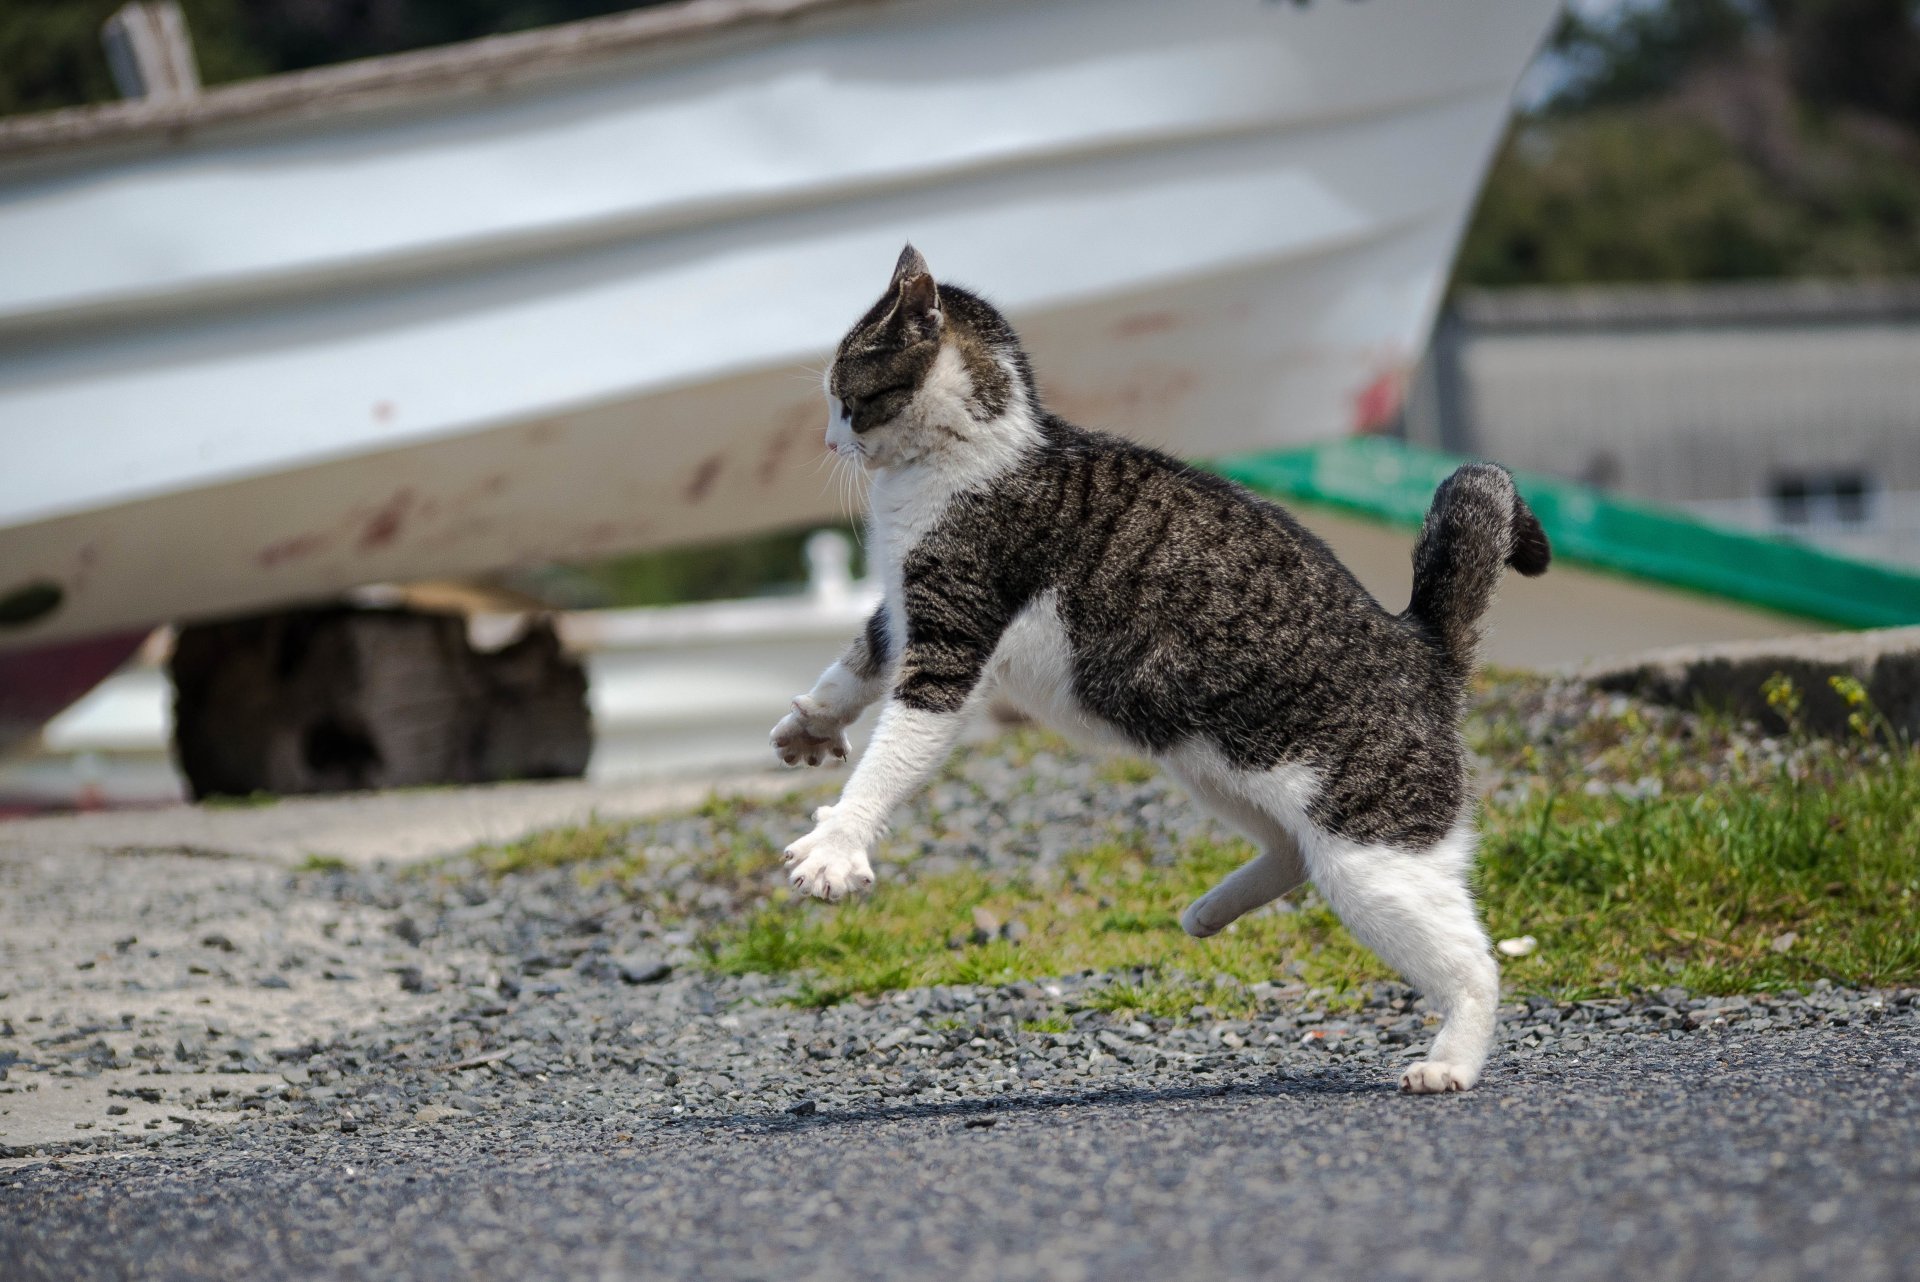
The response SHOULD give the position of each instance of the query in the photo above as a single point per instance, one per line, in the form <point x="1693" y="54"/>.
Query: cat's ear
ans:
<point x="910" y="264"/>
<point x="919" y="305"/>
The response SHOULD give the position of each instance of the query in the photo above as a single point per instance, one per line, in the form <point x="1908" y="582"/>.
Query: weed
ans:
<point x="1047" y="1024"/>
<point x="583" y="844"/>
<point x="1126" y="770"/>
<point x="255" y="800"/>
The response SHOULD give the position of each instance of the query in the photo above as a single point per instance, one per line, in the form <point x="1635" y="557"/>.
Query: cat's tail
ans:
<point x="1478" y="525"/>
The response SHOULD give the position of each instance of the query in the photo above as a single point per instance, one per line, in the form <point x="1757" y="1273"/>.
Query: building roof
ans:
<point x="1745" y="303"/>
<point x="1393" y="481"/>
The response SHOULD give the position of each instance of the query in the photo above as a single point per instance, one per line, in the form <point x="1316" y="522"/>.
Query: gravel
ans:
<point x="443" y="1073"/>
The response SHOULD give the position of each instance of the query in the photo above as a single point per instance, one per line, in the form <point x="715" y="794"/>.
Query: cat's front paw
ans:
<point x="1431" y="1077"/>
<point x="808" y="734"/>
<point x="828" y="864"/>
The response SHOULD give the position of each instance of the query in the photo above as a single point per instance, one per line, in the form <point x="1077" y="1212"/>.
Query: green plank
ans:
<point x="1392" y="481"/>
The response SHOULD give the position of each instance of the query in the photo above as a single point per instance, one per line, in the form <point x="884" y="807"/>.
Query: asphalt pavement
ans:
<point x="1652" y="1155"/>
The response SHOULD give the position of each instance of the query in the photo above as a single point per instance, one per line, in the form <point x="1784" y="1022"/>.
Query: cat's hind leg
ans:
<point x="1277" y="869"/>
<point x="1414" y="910"/>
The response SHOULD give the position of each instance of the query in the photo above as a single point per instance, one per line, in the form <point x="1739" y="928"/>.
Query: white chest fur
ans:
<point x="903" y="505"/>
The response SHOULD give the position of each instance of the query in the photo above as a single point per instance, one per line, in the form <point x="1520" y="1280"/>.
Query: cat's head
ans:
<point x="931" y="372"/>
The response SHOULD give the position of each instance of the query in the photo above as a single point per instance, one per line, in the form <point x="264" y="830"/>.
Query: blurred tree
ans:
<point x="763" y="564"/>
<point x="1857" y="53"/>
<point x="1643" y="49"/>
<point x="1714" y="140"/>
<point x="50" y="52"/>
<point x="308" y="33"/>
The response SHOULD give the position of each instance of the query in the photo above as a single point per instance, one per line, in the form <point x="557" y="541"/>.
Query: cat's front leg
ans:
<point x="833" y="861"/>
<point x="954" y="619"/>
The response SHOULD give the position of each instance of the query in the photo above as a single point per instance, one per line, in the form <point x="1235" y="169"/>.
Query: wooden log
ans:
<point x="340" y="698"/>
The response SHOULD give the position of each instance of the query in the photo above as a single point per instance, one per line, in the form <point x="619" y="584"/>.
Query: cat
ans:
<point x="1127" y="599"/>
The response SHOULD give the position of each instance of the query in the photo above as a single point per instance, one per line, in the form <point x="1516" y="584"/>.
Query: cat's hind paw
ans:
<point x="808" y="734"/>
<point x="1202" y="918"/>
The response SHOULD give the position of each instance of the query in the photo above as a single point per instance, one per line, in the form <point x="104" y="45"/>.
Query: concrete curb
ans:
<point x="1885" y="661"/>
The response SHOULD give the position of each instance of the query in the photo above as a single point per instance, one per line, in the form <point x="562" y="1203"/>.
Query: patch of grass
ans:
<point x="1754" y="884"/>
<point x="1126" y="770"/>
<point x="1112" y="909"/>
<point x="583" y="844"/>
<point x="1047" y="1024"/>
<point x="322" y="863"/>
<point x="1761" y="881"/>
<point x="726" y="812"/>
<point x="255" y="800"/>
<point x="1023" y="743"/>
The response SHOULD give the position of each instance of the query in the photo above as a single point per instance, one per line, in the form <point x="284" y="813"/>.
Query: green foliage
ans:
<point x="1644" y="50"/>
<point x="51" y="55"/>
<point x="50" y="52"/>
<point x="1863" y="54"/>
<point x="714" y="572"/>
<point x="583" y="845"/>
<point x="1653" y="195"/>
<point x="1698" y="140"/>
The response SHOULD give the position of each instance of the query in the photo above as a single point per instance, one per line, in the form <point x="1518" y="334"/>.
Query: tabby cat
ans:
<point x="1127" y="599"/>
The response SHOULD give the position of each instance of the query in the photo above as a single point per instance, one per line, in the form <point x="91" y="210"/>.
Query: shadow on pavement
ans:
<point x="985" y="1113"/>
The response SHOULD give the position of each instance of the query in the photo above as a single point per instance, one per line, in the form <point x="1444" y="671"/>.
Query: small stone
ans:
<point x="1783" y="941"/>
<point x="221" y="942"/>
<point x="643" y="970"/>
<point x="805" y="1108"/>
<point x="414" y="980"/>
<point x="116" y="1110"/>
<point x="1014" y="932"/>
<point x="1517" y="947"/>
<point x="436" y="1113"/>
<point x="979" y="1123"/>
<point x="986" y="926"/>
<point x="273" y="981"/>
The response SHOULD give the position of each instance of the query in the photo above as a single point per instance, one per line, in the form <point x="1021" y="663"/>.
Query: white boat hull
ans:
<point x="280" y="358"/>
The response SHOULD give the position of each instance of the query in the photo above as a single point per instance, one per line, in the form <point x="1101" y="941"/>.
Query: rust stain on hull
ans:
<point x="385" y="525"/>
<point x="794" y="427"/>
<point x="1141" y="324"/>
<point x="296" y="548"/>
<point x="700" y="484"/>
<point x="1156" y="392"/>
